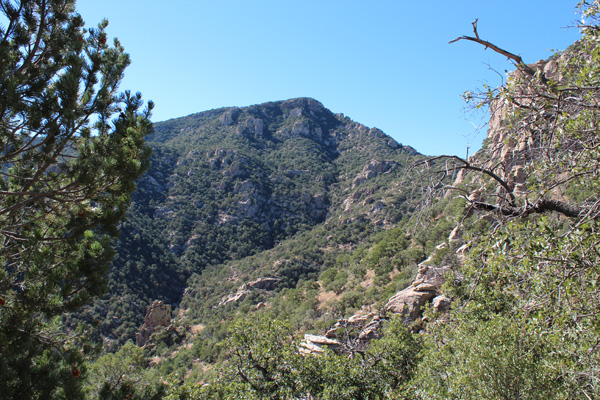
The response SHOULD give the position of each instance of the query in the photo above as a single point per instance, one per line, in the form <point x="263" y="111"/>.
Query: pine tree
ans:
<point x="71" y="146"/>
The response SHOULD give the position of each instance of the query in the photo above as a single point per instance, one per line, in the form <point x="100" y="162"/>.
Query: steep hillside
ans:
<point x="227" y="184"/>
<point x="321" y="260"/>
<point x="504" y="306"/>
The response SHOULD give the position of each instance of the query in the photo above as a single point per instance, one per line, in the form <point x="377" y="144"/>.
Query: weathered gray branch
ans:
<point x="511" y="56"/>
<point x="511" y="210"/>
<point x="468" y="166"/>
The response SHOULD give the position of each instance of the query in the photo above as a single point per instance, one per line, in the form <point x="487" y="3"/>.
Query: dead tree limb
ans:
<point x="542" y="206"/>
<point x="511" y="209"/>
<point x="511" y="56"/>
<point x="468" y="166"/>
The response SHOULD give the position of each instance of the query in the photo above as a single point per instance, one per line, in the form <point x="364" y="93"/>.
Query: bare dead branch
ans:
<point x="511" y="56"/>
<point x="542" y="206"/>
<point x="469" y="166"/>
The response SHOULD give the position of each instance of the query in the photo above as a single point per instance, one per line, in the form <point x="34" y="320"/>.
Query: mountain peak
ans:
<point x="262" y="125"/>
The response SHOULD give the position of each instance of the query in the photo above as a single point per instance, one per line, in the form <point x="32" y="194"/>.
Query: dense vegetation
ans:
<point x="303" y="202"/>
<point x="261" y="224"/>
<point x="524" y="323"/>
<point x="71" y="148"/>
<point x="274" y="190"/>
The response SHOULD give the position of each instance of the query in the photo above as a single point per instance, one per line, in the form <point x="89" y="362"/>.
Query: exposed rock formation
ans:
<point x="510" y="147"/>
<point x="315" y="344"/>
<point x="408" y="303"/>
<point x="229" y="117"/>
<point x="253" y="127"/>
<point x="441" y="303"/>
<point x="263" y="283"/>
<point x="244" y="290"/>
<point x="240" y="295"/>
<point x="362" y="327"/>
<point x="157" y="315"/>
<point x="371" y="170"/>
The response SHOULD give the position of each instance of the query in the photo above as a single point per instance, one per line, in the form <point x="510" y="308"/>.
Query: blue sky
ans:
<point x="383" y="63"/>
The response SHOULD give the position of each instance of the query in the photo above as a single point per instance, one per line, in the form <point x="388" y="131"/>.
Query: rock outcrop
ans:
<point x="266" y="284"/>
<point x="371" y="170"/>
<point x="263" y="284"/>
<point x="157" y="315"/>
<point x="315" y="344"/>
<point x="409" y="303"/>
<point x="510" y="148"/>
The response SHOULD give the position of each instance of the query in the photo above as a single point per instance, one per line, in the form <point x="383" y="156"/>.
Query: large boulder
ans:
<point x="371" y="170"/>
<point x="263" y="283"/>
<point x="316" y="344"/>
<point x="410" y="301"/>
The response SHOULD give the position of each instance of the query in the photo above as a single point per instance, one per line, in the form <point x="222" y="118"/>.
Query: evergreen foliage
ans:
<point x="71" y="147"/>
<point x="266" y="222"/>
<point x="265" y="363"/>
<point x="123" y="375"/>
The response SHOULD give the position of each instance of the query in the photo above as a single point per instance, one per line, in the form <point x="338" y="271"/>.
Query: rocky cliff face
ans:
<point x="510" y="144"/>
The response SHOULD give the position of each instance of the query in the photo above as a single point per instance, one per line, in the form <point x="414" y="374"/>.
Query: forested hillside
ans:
<point x="354" y="305"/>
<point x="281" y="251"/>
<point x="226" y="185"/>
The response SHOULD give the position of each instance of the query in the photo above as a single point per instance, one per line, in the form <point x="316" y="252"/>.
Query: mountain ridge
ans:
<point x="229" y="183"/>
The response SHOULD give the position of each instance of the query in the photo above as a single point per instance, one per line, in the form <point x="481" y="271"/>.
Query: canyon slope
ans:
<point x="281" y="190"/>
